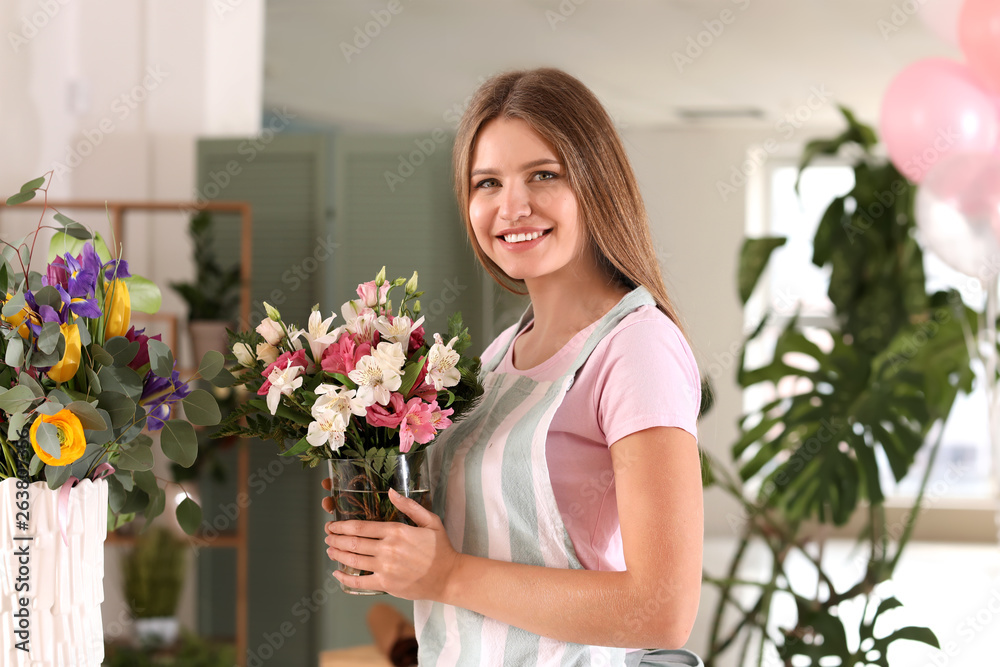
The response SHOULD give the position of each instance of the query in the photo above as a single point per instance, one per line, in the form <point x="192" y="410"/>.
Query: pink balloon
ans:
<point x="934" y="107"/>
<point x="941" y="16"/>
<point x="958" y="213"/>
<point x="979" y="37"/>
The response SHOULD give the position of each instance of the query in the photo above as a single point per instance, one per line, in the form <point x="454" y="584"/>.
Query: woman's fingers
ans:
<point x="421" y="515"/>
<point x="351" y="559"/>
<point x="328" y="505"/>
<point x="326" y="483"/>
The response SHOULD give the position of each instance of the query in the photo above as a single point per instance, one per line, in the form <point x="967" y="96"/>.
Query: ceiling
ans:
<point x="768" y="57"/>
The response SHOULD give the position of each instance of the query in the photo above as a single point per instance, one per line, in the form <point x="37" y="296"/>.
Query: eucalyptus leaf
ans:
<point x="157" y="503"/>
<point x="49" y="296"/>
<point x="125" y="478"/>
<point x="161" y="358"/>
<point x="56" y="476"/>
<point x="120" y="408"/>
<point x="20" y="198"/>
<point x="122" y="350"/>
<point x="146" y="480"/>
<point x="88" y="415"/>
<point x="136" y="501"/>
<point x="16" y="423"/>
<point x="179" y="442"/>
<point x="35" y="466"/>
<point x="117" y="494"/>
<point x="17" y="399"/>
<point x="137" y="457"/>
<point x="49" y="337"/>
<point x="48" y="408"/>
<point x="189" y="516"/>
<point x="100" y="355"/>
<point x="13" y="305"/>
<point x="121" y="380"/>
<point x="14" y="355"/>
<point x="211" y="364"/>
<point x="201" y="408"/>
<point x="31" y="383"/>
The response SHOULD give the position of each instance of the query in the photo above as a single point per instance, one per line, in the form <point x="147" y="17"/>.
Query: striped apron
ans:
<point x="491" y="488"/>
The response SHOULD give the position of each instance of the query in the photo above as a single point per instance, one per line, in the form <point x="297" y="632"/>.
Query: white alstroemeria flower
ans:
<point x="397" y="331"/>
<point x="283" y="381"/>
<point x="328" y="429"/>
<point x="267" y="353"/>
<point x="338" y="399"/>
<point x="363" y="326"/>
<point x="351" y="309"/>
<point x="441" y="362"/>
<point x="317" y="333"/>
<point x="375" y="380"/>
<point x="244" y="354"/>
<point x="390" y="355"/>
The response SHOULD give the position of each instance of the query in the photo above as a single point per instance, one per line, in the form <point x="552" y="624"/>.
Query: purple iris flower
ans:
<point x="116" y="268"/>
<point x="76" y="275"/>
<point x="161" y="393"/>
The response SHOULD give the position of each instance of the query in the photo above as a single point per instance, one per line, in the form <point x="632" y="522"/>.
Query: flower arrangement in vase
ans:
<point x="81" y="389"/>
<point x="367" y="396"/>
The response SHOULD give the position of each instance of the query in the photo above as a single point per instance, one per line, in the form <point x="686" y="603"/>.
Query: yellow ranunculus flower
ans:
<point x="117" y="309"/>
<point x="66" y="368"/>
<point x="72" y="443"/>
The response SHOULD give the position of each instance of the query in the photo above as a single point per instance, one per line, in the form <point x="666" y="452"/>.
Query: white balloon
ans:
<point x="957" y="209"/>
<point x="942" y="16"/>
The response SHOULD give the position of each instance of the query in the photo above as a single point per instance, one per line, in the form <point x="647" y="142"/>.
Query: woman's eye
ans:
<point x="487" y="183"/>
<point x="545" y="175"/>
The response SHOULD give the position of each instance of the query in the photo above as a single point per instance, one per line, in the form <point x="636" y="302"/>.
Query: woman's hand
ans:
<point x="410" y="562"/>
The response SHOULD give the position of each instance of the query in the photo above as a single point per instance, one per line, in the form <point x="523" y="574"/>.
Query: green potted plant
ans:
<point x="213" y="296"/>
<point x="154" y="575"/>
<point x="894" y="361"/>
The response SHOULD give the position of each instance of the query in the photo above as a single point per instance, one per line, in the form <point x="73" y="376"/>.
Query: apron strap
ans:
<point x="640" y="296"/>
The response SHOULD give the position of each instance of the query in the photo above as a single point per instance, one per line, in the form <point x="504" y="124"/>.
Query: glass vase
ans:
<point x="360" y="491"/>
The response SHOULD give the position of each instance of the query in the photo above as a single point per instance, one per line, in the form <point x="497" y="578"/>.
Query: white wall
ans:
<point x="113" y="97"/>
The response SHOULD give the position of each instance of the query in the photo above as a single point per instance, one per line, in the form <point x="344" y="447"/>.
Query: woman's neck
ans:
<point x="566" y="303"/>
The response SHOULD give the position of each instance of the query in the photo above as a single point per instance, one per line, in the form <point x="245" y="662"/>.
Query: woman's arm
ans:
<point x="652" y="604"/>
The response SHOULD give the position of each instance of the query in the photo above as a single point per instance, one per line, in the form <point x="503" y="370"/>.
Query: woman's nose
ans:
<point x="514" y="202"/>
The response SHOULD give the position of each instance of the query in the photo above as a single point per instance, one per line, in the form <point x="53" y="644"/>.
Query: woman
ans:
<point x="570" y="499"/>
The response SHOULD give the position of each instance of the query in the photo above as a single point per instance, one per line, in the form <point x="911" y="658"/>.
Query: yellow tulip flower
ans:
<point x="66" y="368"/>
<point x="117" y="309"/>
<point x="72" y="443"/>
<point x="17" y="320"/>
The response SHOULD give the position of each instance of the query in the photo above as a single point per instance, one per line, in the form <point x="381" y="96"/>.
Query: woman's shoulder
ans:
<point x="496" y="345"/>
<point x="647" y="340"/>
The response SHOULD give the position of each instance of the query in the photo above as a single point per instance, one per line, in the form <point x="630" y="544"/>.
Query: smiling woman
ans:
<point x="567" y="524"/>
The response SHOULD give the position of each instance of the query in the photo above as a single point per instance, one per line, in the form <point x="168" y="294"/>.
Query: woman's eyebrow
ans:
<point x="526" y="165"/>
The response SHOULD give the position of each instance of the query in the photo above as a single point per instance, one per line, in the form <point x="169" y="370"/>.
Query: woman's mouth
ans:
<point x="521" y="239"/>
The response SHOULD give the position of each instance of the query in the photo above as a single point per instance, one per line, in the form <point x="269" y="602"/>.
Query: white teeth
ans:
<point x="517" y="238"/>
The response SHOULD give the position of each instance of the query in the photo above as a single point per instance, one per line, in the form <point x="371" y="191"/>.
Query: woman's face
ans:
<point x="519" y="190"/>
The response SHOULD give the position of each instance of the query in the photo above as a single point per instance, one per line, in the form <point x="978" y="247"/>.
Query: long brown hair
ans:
<point x="568" y="115"/>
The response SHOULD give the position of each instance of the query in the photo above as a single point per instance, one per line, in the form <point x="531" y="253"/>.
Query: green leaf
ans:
<point x="35" y="466"/>
<point x="122" y="350"/>
<point x="56" y="476"/>
<point x="137" y="501"/>
<point x="146" y="480"/>
<point x="14" y="356"/>
<point x="47" y="437"/>
<point x="26" y="380"/>
<point x="189" y="516"/>
<point x="16" y="399"/>
<point x="137" y="457"/>
<point x="16" y="424"/>
<point x="120" y="408"/>
<point x="410" y="376"/>
<point x="100" y="355"/>
<point x="20" y="198"/>
<point x="179" y="442"/>
<point x="753" y="260"/>
<point x="299" y="447"/>
<point x="124" y="478"/>
<point x="33" y="184"/>
<point x="157" y="503"/>
<point x="48" y="408"/>
<point x="143" y="294"/>
<point x="88" y="415"/>
<point x="49" y="337"/>
<point x="14" y="305"/>
<point x="122" y="380"/>
<point x="201" y="408"/>
<point x="161" y="358"/>
<point x="224" y="378"/>
<point x="117" y="494"/>
<point x="211" y="364"/>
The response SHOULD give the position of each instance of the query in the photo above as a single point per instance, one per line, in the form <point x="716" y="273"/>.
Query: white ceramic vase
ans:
<point x="61" y="586"/>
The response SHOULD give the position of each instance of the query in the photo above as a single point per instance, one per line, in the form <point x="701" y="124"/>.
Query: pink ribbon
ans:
<point x="100" y="472"/>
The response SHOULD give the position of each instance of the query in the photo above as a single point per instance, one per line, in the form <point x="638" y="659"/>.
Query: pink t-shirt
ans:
<point x="642" y="374"/>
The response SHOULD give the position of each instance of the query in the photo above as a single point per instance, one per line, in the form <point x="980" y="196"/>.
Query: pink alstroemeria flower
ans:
<point x="439" y="417"/>
<point x="286" y="360"/>
<point x="417" y="424"/>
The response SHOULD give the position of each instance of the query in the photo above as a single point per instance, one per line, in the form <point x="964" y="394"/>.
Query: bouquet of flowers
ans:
<point x="365" y="389"/>
<point x="80" y="387"/>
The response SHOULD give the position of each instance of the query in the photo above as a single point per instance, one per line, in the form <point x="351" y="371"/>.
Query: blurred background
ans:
<point x="334" y="120"/>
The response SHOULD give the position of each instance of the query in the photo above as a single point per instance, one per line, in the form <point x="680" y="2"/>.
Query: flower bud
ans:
<point x="380" y="278"/>
<point x="411" y="284"/>
<point x="272" y="312"/>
